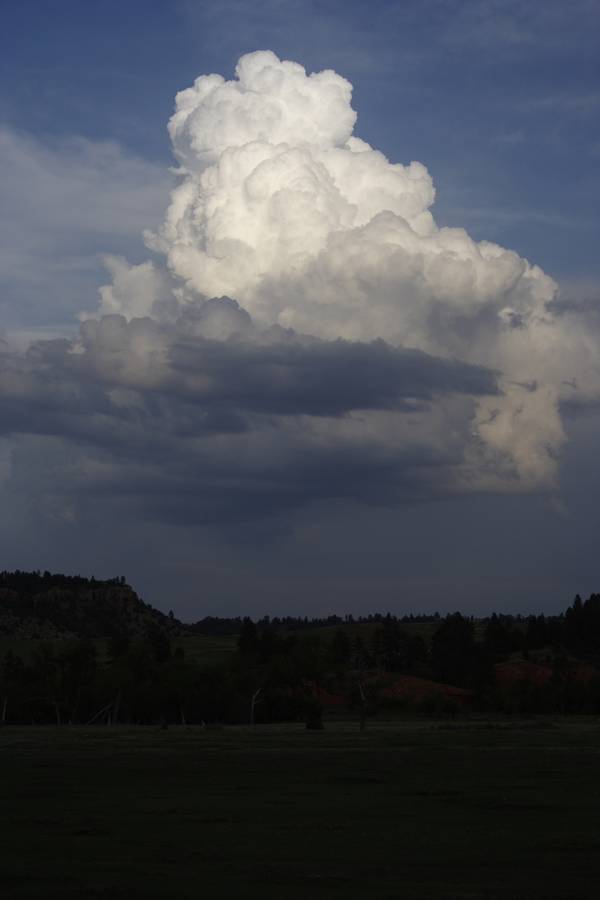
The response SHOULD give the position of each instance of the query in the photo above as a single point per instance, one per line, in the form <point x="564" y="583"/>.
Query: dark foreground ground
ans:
<point x="404" y="810"/>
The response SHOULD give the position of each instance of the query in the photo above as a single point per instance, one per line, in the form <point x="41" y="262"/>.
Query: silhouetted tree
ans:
<point x="339" y="649"/>
<point x="248" y="639"/>
<point x="453" y="650"/>
<point x="500" y="636"/>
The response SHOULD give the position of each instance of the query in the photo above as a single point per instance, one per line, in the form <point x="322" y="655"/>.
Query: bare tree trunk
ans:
<point x="182" y="713"/>
<point x="363" y="707"/>
<point x="4" y="708"/>
<point x="253" y="703"/>
<point x="105" y="709"/>
<point x="116" y="705"/>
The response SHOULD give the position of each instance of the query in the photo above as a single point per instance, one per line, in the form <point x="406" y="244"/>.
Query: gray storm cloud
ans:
<point x="218" y="418"/>
<point x="367" y="353"/>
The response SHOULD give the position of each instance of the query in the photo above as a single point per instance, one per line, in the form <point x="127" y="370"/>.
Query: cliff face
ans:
<point x="47" y="607"/>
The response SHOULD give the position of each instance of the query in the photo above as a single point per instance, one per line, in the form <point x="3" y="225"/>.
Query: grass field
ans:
<point x="404" y="810"/>
<point x="209" y="650"/>
<point x="202" y="649"/>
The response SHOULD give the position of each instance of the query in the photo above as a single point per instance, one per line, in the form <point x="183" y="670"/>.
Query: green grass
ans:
<point x="207" y="649"/>
<point x="366" y="630"/>
<point x="202" y="649"/>
<point x="403" y="810"/>
<point x="215" y="649"/>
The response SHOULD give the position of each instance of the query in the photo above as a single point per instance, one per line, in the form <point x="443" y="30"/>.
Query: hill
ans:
<point x="59" y="607"/>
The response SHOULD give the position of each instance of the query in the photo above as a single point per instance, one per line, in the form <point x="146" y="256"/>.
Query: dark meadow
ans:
<point x="421" y="756"/>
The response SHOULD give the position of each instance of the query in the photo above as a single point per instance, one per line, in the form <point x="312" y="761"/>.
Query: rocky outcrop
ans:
<point x="38" y="606"/>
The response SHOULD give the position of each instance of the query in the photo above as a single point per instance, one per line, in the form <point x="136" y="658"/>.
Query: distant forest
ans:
<point x="88" y="651"/>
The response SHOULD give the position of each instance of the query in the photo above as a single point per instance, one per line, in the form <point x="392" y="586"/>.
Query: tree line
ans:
<point x="449" y="665"/>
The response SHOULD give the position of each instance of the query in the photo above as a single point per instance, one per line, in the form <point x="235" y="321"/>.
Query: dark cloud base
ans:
<point x="169" y="420"/>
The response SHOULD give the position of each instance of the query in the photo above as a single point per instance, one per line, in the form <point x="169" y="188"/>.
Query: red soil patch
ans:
<point x="523" y="670"/>
<point x="583" y="673"/>
<point x="515" y="671"/>
<point x="414" y="690"/>
<point x="325" y="698"/>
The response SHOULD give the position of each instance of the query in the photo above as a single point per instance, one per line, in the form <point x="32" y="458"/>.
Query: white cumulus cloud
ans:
<point x="281" y="206"/>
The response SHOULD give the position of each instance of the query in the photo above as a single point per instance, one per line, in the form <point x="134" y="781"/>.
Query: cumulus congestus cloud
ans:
<point x="367" y="353"/>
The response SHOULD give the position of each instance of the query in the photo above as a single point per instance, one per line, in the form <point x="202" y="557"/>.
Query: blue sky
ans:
<point x="499" y="99"/>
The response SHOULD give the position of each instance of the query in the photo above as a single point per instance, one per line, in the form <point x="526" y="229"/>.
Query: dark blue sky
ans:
<point x="499" y="99"/>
